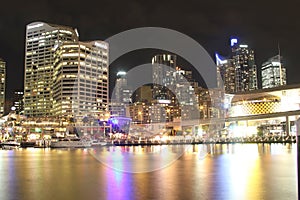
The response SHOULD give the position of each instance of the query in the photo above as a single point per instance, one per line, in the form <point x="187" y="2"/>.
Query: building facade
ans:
<point x="143" y="94"/>
<point x="273" y="73"/>
<point x="237" y="73"/>
<point x="41" y="43"/>
<point x="163" y="66"/>
<point x="63" y="76"/>
<point x="122" y="92"/>
<point x="80" y="79"/>
<point x="2" y="85"/>
<point x="226" y="74"/>
<point x="245" y="68"/>
<point x="18" y="103"/>
<point x="121" y="96"/>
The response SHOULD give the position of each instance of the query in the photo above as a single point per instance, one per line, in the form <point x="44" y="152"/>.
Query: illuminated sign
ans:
<point x="243" y="46"/>
<point x="121" y="73"/>
<point x="101" y="45"/>
<point x="276" y="63"/>
<point x="164" y="101"/>
<point x="219" y="60"/>
<point x="35" y="26"/>
<point x="233" y="41"/>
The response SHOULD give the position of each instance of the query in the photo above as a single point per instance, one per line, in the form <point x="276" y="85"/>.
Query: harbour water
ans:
<point x="222" y="171"/>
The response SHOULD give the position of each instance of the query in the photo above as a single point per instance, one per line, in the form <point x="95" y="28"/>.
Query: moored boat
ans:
<point x="10" y="144"/>
<point x="71" y="143"/>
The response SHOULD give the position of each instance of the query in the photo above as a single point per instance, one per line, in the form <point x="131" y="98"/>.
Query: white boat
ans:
<point x="71" y="143"/>
<point x="10" y="144"/>
<point x="98" y="143"/>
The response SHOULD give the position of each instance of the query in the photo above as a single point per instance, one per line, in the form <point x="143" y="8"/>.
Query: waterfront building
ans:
<point x="42" y="41"/>
<point x="2" y="85"/>
<point x="275" y="110"/>
<point x="273" y="73"/>
<point x="64" y="77"/>
<point x="80" y="79"/>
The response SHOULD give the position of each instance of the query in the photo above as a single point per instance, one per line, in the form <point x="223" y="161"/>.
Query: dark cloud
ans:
<point x="263" y="24"/>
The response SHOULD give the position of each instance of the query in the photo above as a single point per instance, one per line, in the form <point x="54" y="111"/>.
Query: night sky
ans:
<point x="260" y="24"/>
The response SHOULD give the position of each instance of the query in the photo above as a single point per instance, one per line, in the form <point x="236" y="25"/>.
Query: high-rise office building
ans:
<point x="245" y="68"/>
<point x="173" y="94"/>
<point x="2" y="85"/>
<point x="42" y="40"/>
<point x="143" y="94"/>
<point x="18" y="103"/>
<point x="226" y="71"/>
<point x="239" y="72"/>
<point x="121" y="96"/>
<point x="80" y="79"/>
<point x="122" y="91"/>
<point x="273" y="72"/>
<point x="163" y="66"/>
<point x="184" y="86"/>
<point x="63" y="76"/>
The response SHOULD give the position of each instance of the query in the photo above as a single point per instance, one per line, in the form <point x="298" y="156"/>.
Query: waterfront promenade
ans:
<point x="201" y="140"/>
<point x="174" y="140"/>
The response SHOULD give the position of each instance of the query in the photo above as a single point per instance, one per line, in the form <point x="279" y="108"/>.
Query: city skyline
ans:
<point x="114" y="99"/>
<point x="208" y="23"/>
<point x="148" y="55"/>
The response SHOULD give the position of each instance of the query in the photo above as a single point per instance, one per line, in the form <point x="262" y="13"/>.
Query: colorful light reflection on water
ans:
<point x="249" y="171"/>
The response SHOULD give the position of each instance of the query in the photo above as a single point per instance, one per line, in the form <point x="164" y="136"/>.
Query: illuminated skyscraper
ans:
<point x="239" y="72"/>
<point x="245" y="68"/>
<point x="19" y="101"/>
<point x="184" y="86"/>
<point x="122" y="91"/>
<point x="163" y="66"/>
<point x="273" y="73"/>
<point x="121" y="96"/>
<point x="63" y="76"/>
<point x="226" y="70"/>
<point x="80" y="79"/>
<point x="42" y="41"/>
<point x="2" y="85"/>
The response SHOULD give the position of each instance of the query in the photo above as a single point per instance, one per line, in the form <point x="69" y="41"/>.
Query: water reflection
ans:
<point x="244" y="171"/>
<point x="139" y="159"/>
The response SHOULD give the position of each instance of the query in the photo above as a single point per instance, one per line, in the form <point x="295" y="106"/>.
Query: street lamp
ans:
<point x="104" y="123"/>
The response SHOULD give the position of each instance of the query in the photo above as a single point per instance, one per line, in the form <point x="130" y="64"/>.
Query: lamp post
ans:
<point x="104" y="125"/>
